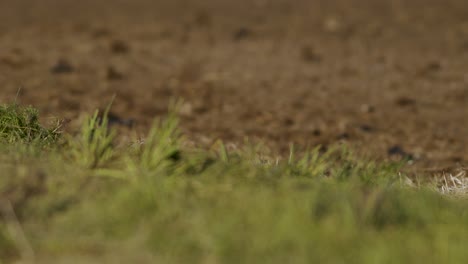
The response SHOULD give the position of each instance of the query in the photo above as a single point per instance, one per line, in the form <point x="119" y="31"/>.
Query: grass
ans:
<point x="21" y="125"/>
<point x="85" y="199"/>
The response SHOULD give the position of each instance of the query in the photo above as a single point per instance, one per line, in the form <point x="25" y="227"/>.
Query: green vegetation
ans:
<point x="21" y="125"/>
<point x="89" y="200"/>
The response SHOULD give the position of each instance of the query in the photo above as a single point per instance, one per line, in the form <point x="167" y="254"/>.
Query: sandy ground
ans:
<point x="389" y="77"/>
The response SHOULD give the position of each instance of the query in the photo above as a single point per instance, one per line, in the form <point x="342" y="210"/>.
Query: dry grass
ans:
<point x="455" y="184"/>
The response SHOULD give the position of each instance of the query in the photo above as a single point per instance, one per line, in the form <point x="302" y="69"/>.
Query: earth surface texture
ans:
<point x="388" y="77"/>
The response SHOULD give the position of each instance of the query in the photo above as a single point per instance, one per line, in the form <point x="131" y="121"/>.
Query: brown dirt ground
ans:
<point x="374" y="73"/>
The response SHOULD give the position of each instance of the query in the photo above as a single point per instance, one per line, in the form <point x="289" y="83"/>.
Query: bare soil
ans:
<point x="387" y="76"/>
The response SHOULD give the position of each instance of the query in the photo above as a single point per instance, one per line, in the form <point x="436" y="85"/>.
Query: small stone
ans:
<point x="343" y="136"/>
<point x="316" y="132"/>
<point x="113" y="74"/>
<point x="242" y="33"/>
<point x="405" y="101"/>
<point x="119" y="47"/>
<point x="203" y="19"/>
<point x="114" y="119"/>
<point x="186" y="109"/>
<point x="366" y="108"/>
<point x="332" y="24"/>
<point x="398" y="151"/>
<point x="366" y="128"/>
<point x="288" y="121"/>
<point x="62" y="66"/>
<point x="309" y="55"/>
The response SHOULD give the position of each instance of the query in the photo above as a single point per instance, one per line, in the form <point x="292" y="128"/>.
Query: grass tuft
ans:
<point x="94" y="145"/>
<point x="20" y="124"/>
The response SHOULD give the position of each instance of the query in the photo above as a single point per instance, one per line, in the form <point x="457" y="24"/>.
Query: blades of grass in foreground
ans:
<point x="94" y="145"/>
<point x="161" y="147"/>
<point x="195" y="206"/>
<point x="155" y="154"/>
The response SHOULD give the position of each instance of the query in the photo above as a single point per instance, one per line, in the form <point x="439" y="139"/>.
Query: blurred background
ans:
<point x="389" y="77"/>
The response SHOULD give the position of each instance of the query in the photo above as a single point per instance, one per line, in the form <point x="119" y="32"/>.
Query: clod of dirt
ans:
<point x="398" y="151"/>
<point x="200" y="108"/>
<point x="288" y="122"/>
<point x="114" y="75"/>
<point x="114" y="119"/>
<point x="242" y="33"/>
<point x="62" y="66"/>
<point x="101" y="32"/>
<point x="456" y="159"/>
<point x="405" y="101"/>
<point x="316" y="132"/>
<point x="366" y="128"/>
<point x="203" y="19"/>
<point x="119" y="47"/>
<point x="366" y="108"/>
<point x="434" y="66"/>
<point x="309" y="55"/>
<point x="430" y="68"/>
<point x="343" y="136"/>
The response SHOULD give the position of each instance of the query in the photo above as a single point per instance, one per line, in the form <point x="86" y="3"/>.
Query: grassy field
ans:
<point x="86" y="198"/>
